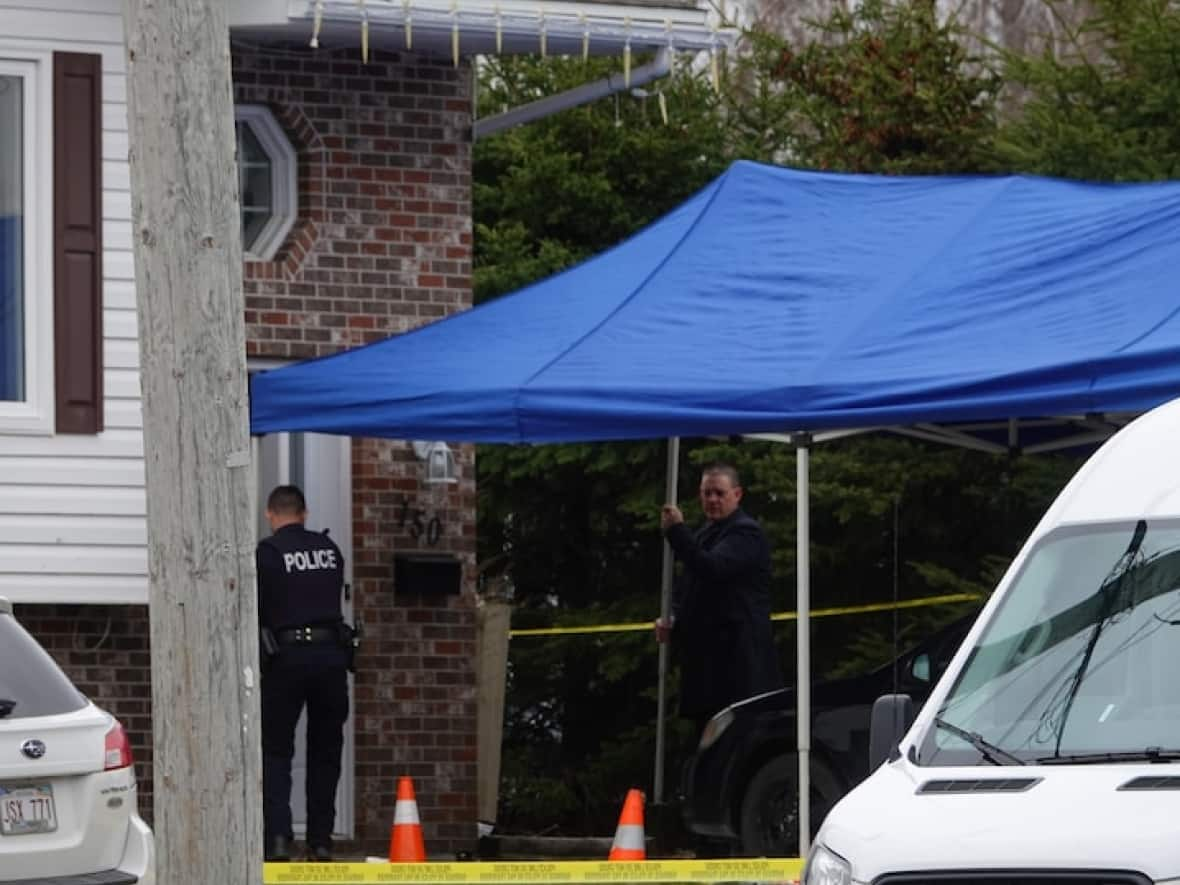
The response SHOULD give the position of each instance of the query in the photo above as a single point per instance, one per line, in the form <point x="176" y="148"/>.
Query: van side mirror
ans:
<point x="893" y="714"/>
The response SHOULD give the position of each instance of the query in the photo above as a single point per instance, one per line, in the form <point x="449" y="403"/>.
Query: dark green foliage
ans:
<point x="1105" y="105"/>
<point x="882" y="88"/>
<point x="556" y="191"/>
<point x="889" y="517"/>
<point x="577" y="522"/>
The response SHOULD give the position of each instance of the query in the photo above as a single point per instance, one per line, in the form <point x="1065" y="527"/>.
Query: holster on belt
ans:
<point x="268" y="646"/>
<point x="350" y="639"/>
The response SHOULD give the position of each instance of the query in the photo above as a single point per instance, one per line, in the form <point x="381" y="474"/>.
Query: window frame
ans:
<point x="35" y="414"/>
<point x="284" y="179"/>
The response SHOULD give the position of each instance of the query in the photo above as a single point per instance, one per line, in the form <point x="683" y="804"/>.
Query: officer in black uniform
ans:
<point x="306" y="651"/>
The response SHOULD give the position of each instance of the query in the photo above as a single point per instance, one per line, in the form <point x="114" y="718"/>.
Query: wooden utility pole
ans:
<point x="188" y="280"/>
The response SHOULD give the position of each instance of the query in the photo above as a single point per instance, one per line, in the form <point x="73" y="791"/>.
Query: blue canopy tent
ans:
<point x="778" y="300"/>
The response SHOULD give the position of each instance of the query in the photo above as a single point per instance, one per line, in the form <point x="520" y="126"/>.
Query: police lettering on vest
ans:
<point x="301" y="575"/>
<point x="309" y="560"/>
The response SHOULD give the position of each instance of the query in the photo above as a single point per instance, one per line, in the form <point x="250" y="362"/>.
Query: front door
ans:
<point x="321" y="466"/>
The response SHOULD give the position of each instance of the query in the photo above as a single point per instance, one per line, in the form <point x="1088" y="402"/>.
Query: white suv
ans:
<point x="68" y="812"/>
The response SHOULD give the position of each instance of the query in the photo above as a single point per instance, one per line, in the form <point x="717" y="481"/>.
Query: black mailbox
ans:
<point x="427" y="574"/>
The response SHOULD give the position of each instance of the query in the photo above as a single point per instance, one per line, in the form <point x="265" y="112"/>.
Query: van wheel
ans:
<point x="769" y="822"/>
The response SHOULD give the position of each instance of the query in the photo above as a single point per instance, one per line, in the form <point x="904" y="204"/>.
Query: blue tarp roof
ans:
<point x="781" y="300"/>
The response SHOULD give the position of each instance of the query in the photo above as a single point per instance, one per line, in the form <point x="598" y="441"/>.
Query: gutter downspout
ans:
<point x="544" y="107"/>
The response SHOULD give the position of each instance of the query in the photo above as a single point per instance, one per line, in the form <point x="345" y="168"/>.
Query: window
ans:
<point x="30" y="678"/>
<point x="26" y="233"/>
<point x="1081" y="654"/>
<point x="50" y="242"/>
<point x="266" y="181"/>
<point x="12" y="212"/>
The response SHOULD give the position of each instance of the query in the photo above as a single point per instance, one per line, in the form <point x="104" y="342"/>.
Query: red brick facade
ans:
<point x="382" y="244"/>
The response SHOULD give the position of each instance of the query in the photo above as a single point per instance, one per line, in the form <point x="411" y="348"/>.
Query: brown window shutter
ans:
<point x="77" y="240"/>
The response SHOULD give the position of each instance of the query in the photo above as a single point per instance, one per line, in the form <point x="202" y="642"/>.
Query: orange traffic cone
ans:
<point x="629" y="840"/>
<point x="405" y="837"/>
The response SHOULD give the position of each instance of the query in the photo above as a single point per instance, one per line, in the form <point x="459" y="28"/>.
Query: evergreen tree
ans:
<point x="881" y="88"/>
<point x="1104" y="106"/>
<point x="558" y="190"/>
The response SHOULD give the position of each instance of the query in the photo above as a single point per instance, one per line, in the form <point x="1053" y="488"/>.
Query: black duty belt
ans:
<point x="308" y="636"/>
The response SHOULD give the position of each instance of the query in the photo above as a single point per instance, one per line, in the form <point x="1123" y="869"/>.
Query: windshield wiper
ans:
<point x="987" y="750"/>
<point x="1111" y="589"/>
<point x="1149" y="754"/>
<point x="6" y="707"/>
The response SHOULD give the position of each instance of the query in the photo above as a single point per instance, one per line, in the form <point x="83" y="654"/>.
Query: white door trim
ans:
<point x="322" y="465"/>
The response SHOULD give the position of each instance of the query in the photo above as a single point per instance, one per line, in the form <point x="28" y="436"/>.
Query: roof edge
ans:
<point x="484" y="25"/>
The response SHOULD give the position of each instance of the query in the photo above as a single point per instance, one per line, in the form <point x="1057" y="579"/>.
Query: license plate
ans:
<point x="26" y="809"/>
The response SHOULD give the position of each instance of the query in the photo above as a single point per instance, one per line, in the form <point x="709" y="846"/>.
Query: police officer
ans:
<point x="306" y="657"/>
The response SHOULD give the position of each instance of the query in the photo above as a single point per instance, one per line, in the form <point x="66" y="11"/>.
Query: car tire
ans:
<point x="769" y="818"/>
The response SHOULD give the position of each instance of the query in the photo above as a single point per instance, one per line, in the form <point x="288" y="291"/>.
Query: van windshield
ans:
<point x="1081" y="658"/>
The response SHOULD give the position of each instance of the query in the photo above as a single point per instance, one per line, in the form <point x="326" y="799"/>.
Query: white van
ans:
<point x="1049" y="751"/>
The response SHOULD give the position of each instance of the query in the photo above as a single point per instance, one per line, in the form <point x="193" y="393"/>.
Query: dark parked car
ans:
<point x="740" y="785"/>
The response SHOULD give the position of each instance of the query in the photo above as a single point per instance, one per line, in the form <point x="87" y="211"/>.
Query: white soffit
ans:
<point x="483" y="26"/>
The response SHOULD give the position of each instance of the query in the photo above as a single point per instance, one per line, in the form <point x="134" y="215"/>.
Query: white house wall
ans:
<point x="72" y="507"/>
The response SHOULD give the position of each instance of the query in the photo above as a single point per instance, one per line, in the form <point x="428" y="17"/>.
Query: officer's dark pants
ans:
<point x="315" y="675"/>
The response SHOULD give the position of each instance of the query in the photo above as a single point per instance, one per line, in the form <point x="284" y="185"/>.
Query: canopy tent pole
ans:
<point x="673" y="469"/>
<point x="803" y="632"/>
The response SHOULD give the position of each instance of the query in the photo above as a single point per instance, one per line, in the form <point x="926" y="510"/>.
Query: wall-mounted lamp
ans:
<point x="440" y="461"/>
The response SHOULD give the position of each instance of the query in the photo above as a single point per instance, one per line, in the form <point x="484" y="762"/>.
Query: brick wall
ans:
<point x="415" y="687"/>
<point x="382" y="244"/>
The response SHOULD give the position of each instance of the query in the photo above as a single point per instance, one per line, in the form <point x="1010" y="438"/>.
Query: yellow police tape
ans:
<point x="777" y="616"/>
<point x="493" y="873"/>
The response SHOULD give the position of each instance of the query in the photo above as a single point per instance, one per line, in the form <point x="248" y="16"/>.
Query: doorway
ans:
<point x="321" y="465"/>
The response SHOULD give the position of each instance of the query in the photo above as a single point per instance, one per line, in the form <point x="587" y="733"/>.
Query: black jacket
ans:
<point x="721" y="604"/>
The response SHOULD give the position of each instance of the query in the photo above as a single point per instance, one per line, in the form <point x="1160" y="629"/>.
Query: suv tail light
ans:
<point x="117" y="749"/>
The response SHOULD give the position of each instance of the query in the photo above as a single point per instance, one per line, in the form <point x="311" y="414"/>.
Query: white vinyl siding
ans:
<point x="72" y="507"/>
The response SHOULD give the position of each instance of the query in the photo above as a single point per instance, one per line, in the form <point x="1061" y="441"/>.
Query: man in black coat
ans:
<point x="720" y="625"/>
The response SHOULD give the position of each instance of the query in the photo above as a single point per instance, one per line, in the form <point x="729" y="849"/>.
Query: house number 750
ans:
<point x="413" y="521"/>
